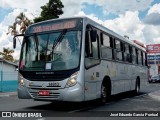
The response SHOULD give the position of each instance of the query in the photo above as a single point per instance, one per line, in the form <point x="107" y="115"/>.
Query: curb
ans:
<point x="155" y="95"/>
<point x="7" y="94"/>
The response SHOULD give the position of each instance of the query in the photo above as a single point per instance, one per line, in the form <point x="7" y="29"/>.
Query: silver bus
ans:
<point x="76" y="59"/>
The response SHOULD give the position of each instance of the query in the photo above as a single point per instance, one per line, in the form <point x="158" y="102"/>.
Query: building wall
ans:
<point x="8" y="77"/>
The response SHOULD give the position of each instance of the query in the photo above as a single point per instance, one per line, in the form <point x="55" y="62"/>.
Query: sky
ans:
<point x="138" y="19"/>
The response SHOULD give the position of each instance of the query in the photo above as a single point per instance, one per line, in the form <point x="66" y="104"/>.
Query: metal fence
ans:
<point x="8" y="81"/>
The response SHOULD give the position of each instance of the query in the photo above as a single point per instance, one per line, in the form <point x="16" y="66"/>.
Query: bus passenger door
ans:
<point x="91" y="64"/>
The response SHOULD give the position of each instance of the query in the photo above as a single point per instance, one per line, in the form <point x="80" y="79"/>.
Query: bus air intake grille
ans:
<point x="34" y="94"/>
<point x="44" y="78"/>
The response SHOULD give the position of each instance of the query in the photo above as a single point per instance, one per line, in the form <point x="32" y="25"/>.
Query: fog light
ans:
<point x="21" y="80"/>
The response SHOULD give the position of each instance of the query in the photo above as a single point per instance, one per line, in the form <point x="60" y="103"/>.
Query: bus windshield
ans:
<point x="51" y="51"/>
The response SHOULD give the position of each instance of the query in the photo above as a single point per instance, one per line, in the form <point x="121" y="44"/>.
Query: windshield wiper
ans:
<point x="59" y="39"/>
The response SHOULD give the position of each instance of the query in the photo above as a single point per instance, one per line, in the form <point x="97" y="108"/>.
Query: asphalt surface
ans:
<point x="155" y="95"/>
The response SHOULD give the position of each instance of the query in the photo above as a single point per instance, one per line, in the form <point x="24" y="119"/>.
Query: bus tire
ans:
<point x="105" y="92"/>
<point x="137" y="86"/>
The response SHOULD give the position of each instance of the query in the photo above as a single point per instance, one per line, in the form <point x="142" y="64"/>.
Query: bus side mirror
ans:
<point x="93" y="35"/>
<point x="14" y="42"/>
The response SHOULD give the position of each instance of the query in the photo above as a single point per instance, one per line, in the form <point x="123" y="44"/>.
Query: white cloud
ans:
<point x="153" y="15"/>
<point x="71" y="8"/>
<point x="152" y="19"/>
<point x="91" y="16"/>
<point x="128" y="24"/>
<point x="152" y="25"/>
<point x="7" y="40"/>
<point x="152" y="34"/>
<point x="29" y="5"/>
<point x="154" y="9"/>
<point x="31" y="9"/>
<point x="121" y="6"/>
<point x="10" y="18"/>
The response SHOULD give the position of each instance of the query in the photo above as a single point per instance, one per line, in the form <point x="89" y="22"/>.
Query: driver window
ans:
<point x="91" y="49"/>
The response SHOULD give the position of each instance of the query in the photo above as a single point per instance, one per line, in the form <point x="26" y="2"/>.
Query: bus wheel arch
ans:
<point x="105" y="89"/>
<point x="137" y="85"/>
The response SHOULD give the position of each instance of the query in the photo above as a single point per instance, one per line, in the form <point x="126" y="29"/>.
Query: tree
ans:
<point x="7" y="54"/>
<point x="51" y="10"/>
<point x="22" y="21"/>
<point x="12" y="29"/>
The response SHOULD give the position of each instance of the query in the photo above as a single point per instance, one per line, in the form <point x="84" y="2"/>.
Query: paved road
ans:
<point x="122" y="102"/>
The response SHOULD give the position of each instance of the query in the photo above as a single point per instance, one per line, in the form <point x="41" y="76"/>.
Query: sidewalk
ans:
<point x="7" y="94"/>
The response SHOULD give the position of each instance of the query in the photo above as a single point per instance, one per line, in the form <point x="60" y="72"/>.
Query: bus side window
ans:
<point x="87" y="45"/>
<point x="134" y="59"/>
<point x="127" y="57"/>
<point x="139" y="57"/>
<point x="91" y="49"/>
<point x="145" y="56"/>
<point x="136" y="56"/>
<point x="113" y="48"/>
<point x="130" y="53"/>
<point x="142" y="58"/>
<point x="95" y="47"/>
<point x="106" y="47"/>
<point x="118" y="46"/>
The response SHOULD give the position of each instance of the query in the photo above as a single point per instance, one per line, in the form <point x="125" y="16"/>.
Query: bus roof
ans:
<point x="97" y="25"/>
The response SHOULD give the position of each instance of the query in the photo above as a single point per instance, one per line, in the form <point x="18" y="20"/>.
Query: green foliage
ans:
<point x="51" y="10"/>
<point x="7" y="54"/>
<point x="22" y="21"/>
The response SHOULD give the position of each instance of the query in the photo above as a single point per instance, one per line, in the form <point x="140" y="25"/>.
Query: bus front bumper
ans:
<point x="73" y="94"/>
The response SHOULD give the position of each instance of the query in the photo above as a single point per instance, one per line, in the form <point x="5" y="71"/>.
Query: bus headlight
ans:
<point x="72" y="80"/>
<point x="21" y="80"/>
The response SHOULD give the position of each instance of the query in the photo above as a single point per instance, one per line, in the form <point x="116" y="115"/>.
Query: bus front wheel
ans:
<point x="137" y="87"/>
<point x="105" y="93"/>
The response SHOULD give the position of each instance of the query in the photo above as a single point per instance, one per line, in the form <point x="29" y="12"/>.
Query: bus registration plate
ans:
<point x="44" y="93"/>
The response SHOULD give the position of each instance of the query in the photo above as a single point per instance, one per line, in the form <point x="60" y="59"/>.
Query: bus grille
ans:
<point x="53" y="93"/>
<point x="44" y="78"/>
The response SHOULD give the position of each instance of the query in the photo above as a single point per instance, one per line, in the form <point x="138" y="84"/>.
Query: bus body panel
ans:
<point x="74" y="93"/>
<point x="123" y="78"/>
<point x="122" y="75"/>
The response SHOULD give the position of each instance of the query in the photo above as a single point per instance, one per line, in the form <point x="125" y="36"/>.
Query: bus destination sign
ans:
<point x="53" y="26"/>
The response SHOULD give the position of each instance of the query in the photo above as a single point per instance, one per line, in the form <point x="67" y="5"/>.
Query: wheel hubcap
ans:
<point x="137" y="89"/>
<point x="104" y="92"/>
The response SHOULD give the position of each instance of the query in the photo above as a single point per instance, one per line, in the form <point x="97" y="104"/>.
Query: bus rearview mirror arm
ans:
<point x="14" y="40"/>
